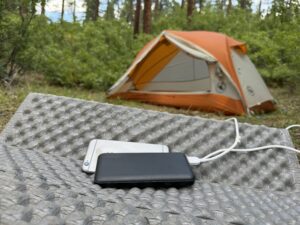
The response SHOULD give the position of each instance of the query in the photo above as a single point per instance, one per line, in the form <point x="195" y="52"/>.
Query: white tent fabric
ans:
<point x="253" y="86"/>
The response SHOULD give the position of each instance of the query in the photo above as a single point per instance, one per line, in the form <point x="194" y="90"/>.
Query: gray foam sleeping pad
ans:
<point x="64" y="126"/>
<point x="40" y="188"/>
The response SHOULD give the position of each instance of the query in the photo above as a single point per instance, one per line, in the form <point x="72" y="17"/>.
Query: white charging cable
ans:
<point x="292" y="126"/>
<point x="221" y="152"/>
<point x="217" y="154"/>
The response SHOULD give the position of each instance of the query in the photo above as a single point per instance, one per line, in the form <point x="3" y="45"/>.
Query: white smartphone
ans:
<point x="98" y="146"/>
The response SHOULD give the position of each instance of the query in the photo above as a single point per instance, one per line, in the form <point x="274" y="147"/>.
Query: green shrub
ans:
<point x="9" y="39"/>
<point x="96" y="54"/>
<point x="92" y="54"/>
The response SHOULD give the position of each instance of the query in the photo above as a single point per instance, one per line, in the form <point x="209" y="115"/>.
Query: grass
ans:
<point x="286" y="114"/>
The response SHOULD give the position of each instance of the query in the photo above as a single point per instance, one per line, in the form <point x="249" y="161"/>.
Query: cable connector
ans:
<point x="219" y="153"/>
<point x="193" y="160"/>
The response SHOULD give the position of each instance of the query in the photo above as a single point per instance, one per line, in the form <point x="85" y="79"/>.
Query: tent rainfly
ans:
<point x="198" y="70"/>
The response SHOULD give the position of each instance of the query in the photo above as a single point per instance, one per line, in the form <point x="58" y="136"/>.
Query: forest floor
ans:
<point x="286" y="114"/>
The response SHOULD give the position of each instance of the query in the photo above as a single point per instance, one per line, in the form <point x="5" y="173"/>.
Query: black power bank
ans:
<point x="125" y="170"/>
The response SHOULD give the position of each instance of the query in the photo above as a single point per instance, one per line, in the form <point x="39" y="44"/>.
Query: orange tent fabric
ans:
<point x="215" y="43"/>
<point x="209" y="102"/>
<point x="160" y="51"/>
<point x="218" y="45"/>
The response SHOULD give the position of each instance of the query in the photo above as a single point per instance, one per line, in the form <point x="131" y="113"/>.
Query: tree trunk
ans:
<point x="26" y="17"/>
<point x="220" y="4"/>
<point x="147" y="16"/>
<point x="229" y="7"/>
<point x="110" y="10"/>
<point x="190" y="9"/>
<point x="92" y="9"/>
<point x="88" y="13"/>
<point x="182" y="3"/>
<point x="23" y="9"/>
<point x="74" y="11"/>
<point x="33" y="5"/>
<point x="201" y="5"/>
<point x="259" y="8"/>
<point x="130" y="13"/>
<point x="136" y="29"/>
<point x="43" y="5"/>
<point x="223" y="4"/>
<point x="96" y="10"/>
<point x="62" y="11"/>
<point x="244" y="4"/>
<point x="156" y="8"/>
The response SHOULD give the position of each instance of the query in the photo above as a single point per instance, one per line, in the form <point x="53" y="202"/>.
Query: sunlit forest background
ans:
<point x="92" y="47"/>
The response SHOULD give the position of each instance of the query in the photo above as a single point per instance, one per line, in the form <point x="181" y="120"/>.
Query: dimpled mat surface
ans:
<point x="64" y="126"/>
<point x="38" y="188"/>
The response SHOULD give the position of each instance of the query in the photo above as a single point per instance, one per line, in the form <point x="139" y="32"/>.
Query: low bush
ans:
<point x="95" y="54"/>
<point x="92" y="54"/>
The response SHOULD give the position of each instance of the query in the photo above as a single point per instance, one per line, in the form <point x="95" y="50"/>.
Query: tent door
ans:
<point x="183" y="73"/>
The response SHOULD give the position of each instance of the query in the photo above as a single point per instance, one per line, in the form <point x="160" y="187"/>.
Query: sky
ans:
<point x="53" y="8"/>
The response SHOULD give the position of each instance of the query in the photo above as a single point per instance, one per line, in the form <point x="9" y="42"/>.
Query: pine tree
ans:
<point x="127" y="11"/>
<point x="110" y="10"/>
<point x="92" y="10"/>
<point x="43" y="5"/>
<point x="190" y="9"/>
<point x="182" y="4"/>
<point x="245" y="4"/>
<point x="201" y="4"/>
<point x="156" y="8"/>
<point x="136" y="28"/>
<point x="62" y="11"/>
<point x="147" y="16"/>
<point x="229" y="6"/>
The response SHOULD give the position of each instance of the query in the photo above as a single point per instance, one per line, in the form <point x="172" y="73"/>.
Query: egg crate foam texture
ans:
<point x="64" y="127"/>
<point x="39" y="188"/>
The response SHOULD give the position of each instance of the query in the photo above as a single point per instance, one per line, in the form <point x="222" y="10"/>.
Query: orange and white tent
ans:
<point x="197" y="69"/>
